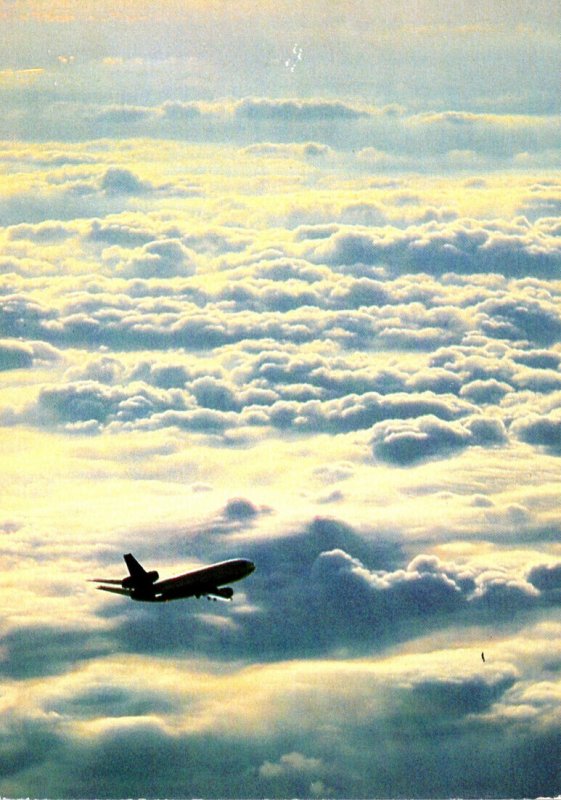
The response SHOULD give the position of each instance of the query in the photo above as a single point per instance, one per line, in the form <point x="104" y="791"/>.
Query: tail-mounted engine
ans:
<point x="140" y="581"/>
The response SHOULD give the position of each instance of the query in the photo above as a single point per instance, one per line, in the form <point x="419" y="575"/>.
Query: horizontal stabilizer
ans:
<point x="114" y="590"/>
<point x="104" y="580"/>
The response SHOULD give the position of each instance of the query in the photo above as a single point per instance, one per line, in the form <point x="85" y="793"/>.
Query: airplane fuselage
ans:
<point x="203" y="581"/>
<point x="206" y="581"/>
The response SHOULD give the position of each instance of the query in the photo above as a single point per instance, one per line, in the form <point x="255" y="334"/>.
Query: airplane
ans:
<point x="204" y="582"/>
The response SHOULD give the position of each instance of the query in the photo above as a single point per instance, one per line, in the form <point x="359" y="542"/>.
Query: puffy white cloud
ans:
<point x="404" y="442"/>
<point x="165" y="258"/>
<point x="86" y="401"/>
<point x="463" y="246"/>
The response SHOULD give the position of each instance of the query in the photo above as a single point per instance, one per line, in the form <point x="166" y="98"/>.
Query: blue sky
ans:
<point x="281" y="281"/>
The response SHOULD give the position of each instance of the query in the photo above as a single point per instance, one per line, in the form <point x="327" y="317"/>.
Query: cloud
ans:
<point x="461" y="246"/>
<point x="209" y="421"/>
<point x="44" y="232"/>
<point x="168" y="376"/>
<point x="100" y="369"/>
<point x="546" y="578"/>
<point x="119" y="234"/>
<point x="294" y="774"/>
<point x="404" y="443"/>
<point x="166" y="258"/>
<point x="327" y="748"/>
<point x="213" y="393"/>
<point x="392" y="698"/>
<point x="407" y="442"/>
<point x="301" y="150"/>
<point x="306" y="111"/>
<point x="543" y="431"/>
<point x="60" y="648"/>
<point x="536" y="321"/>
<point x="118" y="116"/>
<point x="282" y="388"/>
<point x="322" y="589"/>
<point x="189" y="711"/>
<point x="240" y="509"/>
<point x="290" y="763"/>
<point x="359" y="412"/>
<point x="182" y="111"/>
<point x="256" y="340"/>
<point x="122" y="181"/>
<point x="485" y="391"/>
<point x="394" y="137"/>
<point x="94" y="402"/>
<point x="449" y="699"/>
<point x="129" y="742"/>
<point x="15" y="355"/>
<point x="285" y="596"/>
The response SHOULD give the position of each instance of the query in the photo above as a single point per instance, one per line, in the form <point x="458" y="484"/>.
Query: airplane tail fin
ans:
<point x="138" y="582"/>
<point x="136" y="570"/>
<point x="138" y="577"/>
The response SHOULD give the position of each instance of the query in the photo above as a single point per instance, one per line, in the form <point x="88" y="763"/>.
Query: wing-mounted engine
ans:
<point x="226" y="593"/>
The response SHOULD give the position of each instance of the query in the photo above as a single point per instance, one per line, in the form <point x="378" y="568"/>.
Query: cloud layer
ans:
<point x="296" y="298"/>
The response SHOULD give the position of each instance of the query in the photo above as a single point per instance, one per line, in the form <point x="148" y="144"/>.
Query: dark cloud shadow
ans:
<point x="38" y="651"/>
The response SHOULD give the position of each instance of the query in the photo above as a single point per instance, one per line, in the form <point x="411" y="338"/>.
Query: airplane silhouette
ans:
<point x="204" y="582"/>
